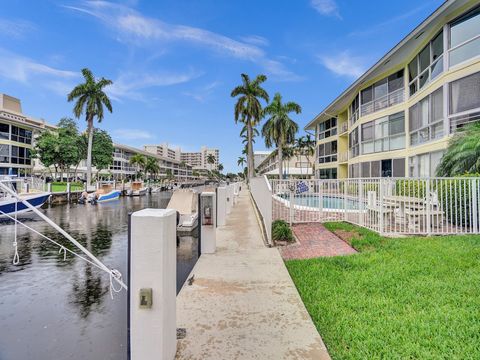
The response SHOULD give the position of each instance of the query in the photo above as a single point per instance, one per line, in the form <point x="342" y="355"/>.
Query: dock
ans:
<point x="242" y="303"/>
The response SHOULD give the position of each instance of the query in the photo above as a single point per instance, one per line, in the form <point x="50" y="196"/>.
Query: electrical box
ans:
<point x="145" y="298"/>
<point x="208" y="223"/>
<point x="207" y="210"/>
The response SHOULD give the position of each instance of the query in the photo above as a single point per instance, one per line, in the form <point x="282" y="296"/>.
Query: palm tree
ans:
<point x="463" y="152"/>
<point x="309" y="151"/>
<point x="90" y="98"/>
<point x="248" y="110"/>
<point x="220" y="167"/>
<point x="139" y="160"/>
<point x="241" y="161"/>
<point x="299" y="150"/>
<point x="151" y="166"/>
<point x="279" y="128"/>
<point x="211" y="159"/>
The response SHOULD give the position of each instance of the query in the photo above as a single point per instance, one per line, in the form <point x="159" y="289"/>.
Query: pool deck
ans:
<point x="242" y="303"/>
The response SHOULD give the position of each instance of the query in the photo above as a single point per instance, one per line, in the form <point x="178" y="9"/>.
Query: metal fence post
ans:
<point x="381" y="213"/>
<point x="361" y="206"/>
<point x="290" y="212"/>
<point x="474" y="210"/>
<point x="345" y="184"/>
<point x="429" y="207"/>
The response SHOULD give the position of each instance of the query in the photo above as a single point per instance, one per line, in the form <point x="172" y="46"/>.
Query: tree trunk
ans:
<point x="89" y="149"/>
<point x="250" y="165"/>
<point x="280" y="161"/>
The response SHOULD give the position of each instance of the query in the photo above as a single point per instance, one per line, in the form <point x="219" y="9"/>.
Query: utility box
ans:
<point x="208" y="222"/>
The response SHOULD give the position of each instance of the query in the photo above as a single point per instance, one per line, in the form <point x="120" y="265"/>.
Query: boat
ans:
<point x="104" y="193"/>
<point x="137" y="189"/>
<point x="185" y="202"/>
<point x="9" y="204"/>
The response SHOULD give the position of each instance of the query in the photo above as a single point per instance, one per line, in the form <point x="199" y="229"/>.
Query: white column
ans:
<point x="229" y="198"/>
<point x="153" y="263"/>
<point x="222" y="205"/>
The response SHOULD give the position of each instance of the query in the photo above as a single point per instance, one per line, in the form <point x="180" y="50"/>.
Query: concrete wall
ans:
<point x="262" y="194"/>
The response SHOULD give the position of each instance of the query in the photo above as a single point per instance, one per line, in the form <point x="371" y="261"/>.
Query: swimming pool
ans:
<point x="313" y="201"/>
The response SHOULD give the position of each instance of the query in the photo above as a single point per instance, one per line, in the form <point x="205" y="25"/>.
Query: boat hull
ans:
<point x="8" y="206"/>
<point x="112" y="195"/>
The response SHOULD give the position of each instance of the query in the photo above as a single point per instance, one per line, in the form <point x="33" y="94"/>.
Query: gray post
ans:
<point x="153" y="284"/>
<point x="69" y="187"/>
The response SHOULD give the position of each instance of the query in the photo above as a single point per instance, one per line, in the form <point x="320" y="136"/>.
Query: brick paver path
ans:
<point x="314" y="240"/>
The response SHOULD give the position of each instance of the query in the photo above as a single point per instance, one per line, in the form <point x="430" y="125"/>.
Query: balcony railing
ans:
<point x="394" y="98"/>
<point x="343" y="156"/>
<point x="343" y="128"/>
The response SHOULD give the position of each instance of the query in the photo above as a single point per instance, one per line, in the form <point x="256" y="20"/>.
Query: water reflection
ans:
<point x="56" y="309"/>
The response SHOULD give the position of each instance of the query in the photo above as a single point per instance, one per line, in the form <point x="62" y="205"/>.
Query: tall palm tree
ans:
<point x="139" y="161"/>
<point x="279" y="128"/>
<point x="151" y="166"/>
<point x="463" y="152"/>
<point x="241" y="161"/>
<point x="248" y="110"/>
<point x="91" y="99"/>
<point x="299" y="150"/>
<point x="220" y="167"/>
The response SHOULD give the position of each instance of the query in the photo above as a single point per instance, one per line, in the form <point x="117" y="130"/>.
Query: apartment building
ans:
<point x="397" y="118"/>
<point x="17" y="135"/>
<point x="259" y="157"/>
<point x="293" y="167"/>
<point x="121" y="167"/>
<point x="165" y="151"/>
<point x="199" y="160"/>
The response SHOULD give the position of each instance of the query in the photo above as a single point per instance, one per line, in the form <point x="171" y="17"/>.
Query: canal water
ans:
<point x="56" y="309"/>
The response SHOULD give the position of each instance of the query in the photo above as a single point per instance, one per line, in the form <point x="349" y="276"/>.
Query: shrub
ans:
<point x="412" y="188"/>
<point x="281" y="231"/>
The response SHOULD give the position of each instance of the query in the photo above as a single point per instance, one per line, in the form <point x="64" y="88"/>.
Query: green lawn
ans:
<point x="409" y="298"/>
<point x="62" y="187"/>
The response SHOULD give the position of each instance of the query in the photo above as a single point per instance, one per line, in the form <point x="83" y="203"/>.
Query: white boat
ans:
<point x="185" y="202"/>
<point x="104" y="193"/>
<point x="137" y="189"/>
<point x="22" y="186"/>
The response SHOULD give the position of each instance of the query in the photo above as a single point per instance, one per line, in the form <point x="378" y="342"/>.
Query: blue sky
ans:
<point x="174" y="63"/>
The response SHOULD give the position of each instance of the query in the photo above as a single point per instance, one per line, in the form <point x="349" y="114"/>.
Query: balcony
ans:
<point x="342" y="156"/>
<point x="344" y="128"/>
<point x="394" y="98"/>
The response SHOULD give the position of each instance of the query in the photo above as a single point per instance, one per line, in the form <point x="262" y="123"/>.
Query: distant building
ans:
<point x="17" y="137"/>
<point x="259" y="156"/>
<point x="199" y="160"/>
<point x="164" y="150"/>
<point x="295" y="167"/>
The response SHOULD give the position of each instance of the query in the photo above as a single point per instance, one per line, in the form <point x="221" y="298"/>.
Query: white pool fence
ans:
<point x="390" y="206"/>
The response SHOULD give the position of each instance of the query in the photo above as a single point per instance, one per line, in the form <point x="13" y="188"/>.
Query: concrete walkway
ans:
<point x="243" y="303"/>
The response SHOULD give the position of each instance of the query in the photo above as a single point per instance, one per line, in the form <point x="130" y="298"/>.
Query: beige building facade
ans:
<point x="397" y="118"/>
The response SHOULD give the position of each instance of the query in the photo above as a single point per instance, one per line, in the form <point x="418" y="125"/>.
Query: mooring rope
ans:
<point x="114" y="274"/>
<point x="16" y="258"/>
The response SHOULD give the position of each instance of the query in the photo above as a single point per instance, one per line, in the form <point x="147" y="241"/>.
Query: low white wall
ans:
<point x="262" y="194"/>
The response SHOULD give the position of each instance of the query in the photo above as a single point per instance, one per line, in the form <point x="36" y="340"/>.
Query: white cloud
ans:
<point x="255" y="40"/>
<point x="204" y="92"/>
<point x="15" y="28"/>
<point x="32" y="73"/>
<point x="22" y="69"/>
<point x="129" y="84"/>
<point x="139" y="30"/>
<point x="344" y="64"/>
<point x="326" y="7"/>
<point x="132" y="134"/>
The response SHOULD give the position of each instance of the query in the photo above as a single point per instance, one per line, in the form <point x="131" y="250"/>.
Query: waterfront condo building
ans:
<point x="199" y="159"/>
<point x="397" y="118"/>
<point x="17" y="135"/>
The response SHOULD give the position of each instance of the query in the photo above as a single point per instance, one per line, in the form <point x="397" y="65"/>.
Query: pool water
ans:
<point x="328" y="202"/>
